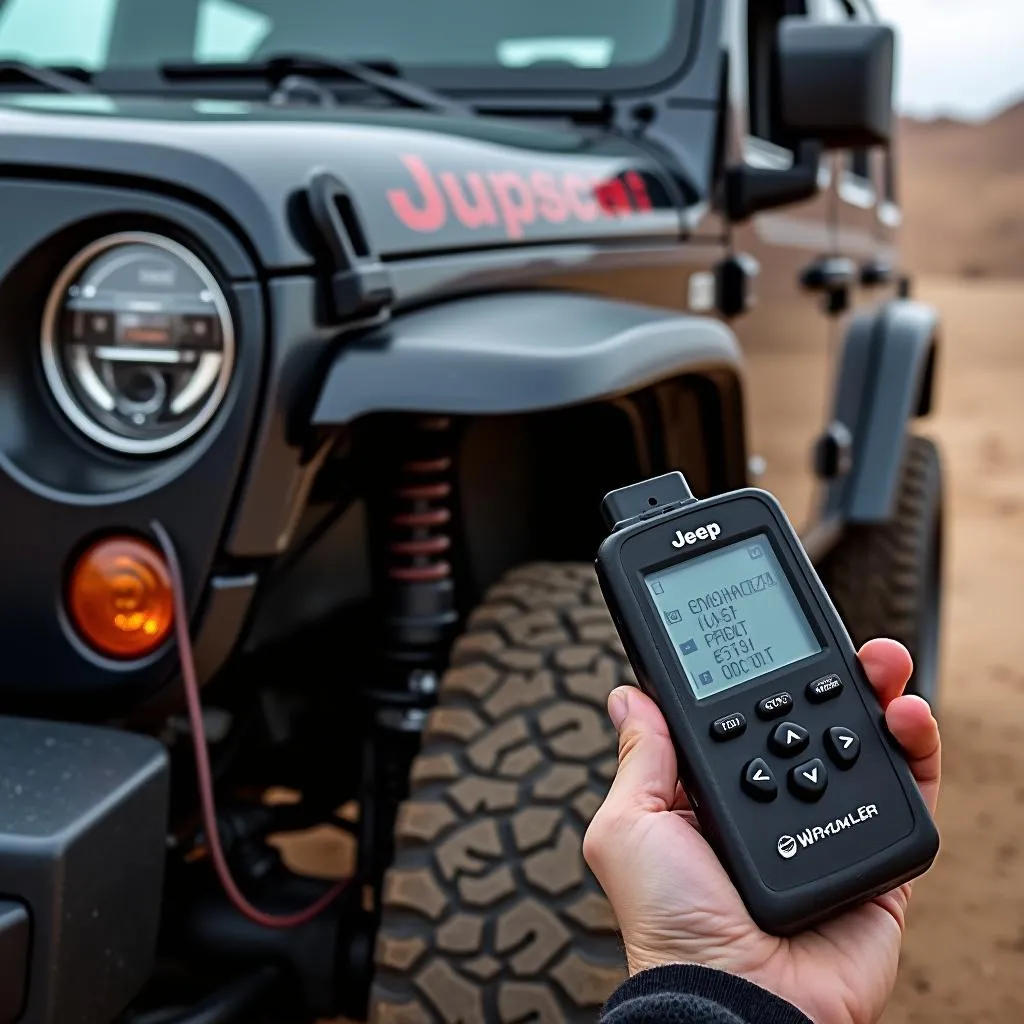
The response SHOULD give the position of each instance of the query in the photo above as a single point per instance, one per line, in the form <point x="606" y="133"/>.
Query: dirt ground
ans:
<point x="945" y="161"/>
<point x="964" y="955"/>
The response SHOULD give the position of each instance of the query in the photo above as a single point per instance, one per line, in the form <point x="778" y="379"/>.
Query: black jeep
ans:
<point x="325" y="328"/>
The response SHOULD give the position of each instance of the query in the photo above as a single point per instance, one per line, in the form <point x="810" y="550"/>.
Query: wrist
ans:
<point x="729" y="953"/>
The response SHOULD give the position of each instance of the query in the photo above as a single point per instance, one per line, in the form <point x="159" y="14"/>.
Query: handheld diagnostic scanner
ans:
<point x="781" y="742"/>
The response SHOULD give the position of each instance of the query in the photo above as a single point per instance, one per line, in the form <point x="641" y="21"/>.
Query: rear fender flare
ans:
<point x="885" y="381"/>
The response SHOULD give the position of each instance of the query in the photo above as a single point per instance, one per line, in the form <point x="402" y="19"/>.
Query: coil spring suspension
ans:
<point x="422" y="515"/>
<point x="420" y="585"/>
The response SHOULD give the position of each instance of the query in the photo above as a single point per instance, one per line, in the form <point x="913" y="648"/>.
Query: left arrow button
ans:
<point x="759" y="781"/>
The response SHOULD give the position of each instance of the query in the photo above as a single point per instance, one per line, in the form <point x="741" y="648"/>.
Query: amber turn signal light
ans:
<point x="120" y="597"/>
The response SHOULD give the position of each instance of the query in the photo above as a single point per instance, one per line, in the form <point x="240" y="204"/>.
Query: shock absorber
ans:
<point x="413" y="519"/>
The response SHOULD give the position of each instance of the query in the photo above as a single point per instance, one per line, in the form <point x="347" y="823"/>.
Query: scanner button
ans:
<point x="789" y="739"/>
<point x="729" y="726"/>
<point x="774" y="706"/>
<point x="824" y="689"/>
<point x="843" y="746"/>
<point x="808" y="780"/>
<point x="759" y="781"/>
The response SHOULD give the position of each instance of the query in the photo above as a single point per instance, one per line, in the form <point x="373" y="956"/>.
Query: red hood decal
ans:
<point x="511" y="199"/>
<point x="418" y="188"/>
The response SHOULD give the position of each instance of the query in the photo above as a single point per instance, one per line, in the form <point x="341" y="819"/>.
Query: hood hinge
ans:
<point x="360" y="284"/>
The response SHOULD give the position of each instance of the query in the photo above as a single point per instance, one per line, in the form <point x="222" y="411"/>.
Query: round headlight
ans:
<point x="137" y="343"/>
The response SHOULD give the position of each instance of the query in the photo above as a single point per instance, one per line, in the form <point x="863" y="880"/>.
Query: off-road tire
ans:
<point x="490" y="915"/>
<point x="886" y="580"/>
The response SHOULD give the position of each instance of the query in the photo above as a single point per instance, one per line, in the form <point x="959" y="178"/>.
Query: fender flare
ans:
<point x="885" y="381"/>
<point x="517" y="352"/>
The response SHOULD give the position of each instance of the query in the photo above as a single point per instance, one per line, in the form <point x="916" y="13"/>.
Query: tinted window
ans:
<point x="56" y="31"/>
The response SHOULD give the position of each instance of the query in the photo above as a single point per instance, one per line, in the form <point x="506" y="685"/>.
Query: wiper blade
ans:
<point x="278" y="67"/>
<point x="58" y="81"/>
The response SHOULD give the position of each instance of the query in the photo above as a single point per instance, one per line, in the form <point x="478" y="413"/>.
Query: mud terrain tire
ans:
<point x="886" y="580"/>
<point x="490" y="913"/>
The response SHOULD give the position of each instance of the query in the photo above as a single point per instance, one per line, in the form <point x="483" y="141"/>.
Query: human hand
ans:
<point x="676" y="904"/>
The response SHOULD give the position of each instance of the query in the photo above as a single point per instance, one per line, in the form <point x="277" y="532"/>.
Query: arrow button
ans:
<point x="843" y="746"/>
<point x="808" y="780"/>
<point x="759" y="781"/>
<point x="789" y="739"/>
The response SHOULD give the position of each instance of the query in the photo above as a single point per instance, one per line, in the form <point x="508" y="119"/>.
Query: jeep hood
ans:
<point x="420" y="183"/>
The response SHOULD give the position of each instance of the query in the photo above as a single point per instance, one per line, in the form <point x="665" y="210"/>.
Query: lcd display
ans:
<point x="732" y="616"/>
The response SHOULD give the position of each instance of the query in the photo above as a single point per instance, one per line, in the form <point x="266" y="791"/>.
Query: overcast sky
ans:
<point x="962" y="57"/>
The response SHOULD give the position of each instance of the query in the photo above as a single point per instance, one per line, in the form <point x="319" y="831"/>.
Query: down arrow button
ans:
<point x="808" y="780"/>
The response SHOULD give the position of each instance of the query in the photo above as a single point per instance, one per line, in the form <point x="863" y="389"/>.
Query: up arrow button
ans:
<point x="789" y="739"/>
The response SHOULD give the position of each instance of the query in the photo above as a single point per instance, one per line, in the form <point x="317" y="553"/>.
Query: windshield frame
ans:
<point x="672" y="64"/>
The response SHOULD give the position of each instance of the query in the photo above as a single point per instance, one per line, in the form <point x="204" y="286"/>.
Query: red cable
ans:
<point x="203" y="772"/>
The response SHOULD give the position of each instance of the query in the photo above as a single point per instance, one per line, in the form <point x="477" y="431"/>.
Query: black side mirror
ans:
<point x="836" y="82"/>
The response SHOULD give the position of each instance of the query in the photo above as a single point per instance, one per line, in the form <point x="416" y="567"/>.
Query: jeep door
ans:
<point x="785" y="336"/>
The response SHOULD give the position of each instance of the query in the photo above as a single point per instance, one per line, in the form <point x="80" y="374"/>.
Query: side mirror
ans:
<point x="836" y="82"/>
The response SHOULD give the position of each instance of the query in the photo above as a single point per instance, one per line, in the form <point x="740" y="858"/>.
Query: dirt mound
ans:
<point x="961" y="188"/>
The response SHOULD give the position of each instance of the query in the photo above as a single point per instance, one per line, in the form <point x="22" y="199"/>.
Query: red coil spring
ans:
<point x="422" y="513"/>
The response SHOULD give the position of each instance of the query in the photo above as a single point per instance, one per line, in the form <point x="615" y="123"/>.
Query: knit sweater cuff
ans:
<point x="743" y="998"/>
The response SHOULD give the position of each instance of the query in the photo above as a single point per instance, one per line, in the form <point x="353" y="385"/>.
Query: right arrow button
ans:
<point x="843" y="745"/>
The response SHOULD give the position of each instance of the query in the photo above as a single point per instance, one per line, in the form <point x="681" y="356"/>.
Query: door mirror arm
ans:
<point x="749" y="189"/>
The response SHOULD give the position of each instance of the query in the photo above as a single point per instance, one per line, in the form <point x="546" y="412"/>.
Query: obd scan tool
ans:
<point x="781" y="742"/>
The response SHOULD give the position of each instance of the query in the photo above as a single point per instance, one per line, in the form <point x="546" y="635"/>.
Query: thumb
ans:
<point x="647" y="774"/>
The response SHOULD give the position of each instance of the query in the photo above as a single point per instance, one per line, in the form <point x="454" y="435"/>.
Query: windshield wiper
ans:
<point x="55" y="80"/>
<point x="276" y="68"/>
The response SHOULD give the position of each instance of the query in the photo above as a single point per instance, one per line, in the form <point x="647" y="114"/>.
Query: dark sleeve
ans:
<point x="690" y="994"/>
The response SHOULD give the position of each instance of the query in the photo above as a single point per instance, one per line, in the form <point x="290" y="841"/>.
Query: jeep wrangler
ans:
<point x="325" y="328"/>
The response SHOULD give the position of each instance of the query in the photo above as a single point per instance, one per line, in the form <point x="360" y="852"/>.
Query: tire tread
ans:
<point x="489" y="911"/>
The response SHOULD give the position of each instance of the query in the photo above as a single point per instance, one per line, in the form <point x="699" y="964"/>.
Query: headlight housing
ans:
<point x="138" y="343"/>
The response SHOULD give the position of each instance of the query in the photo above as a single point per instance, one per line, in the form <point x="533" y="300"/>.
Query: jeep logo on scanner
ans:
<point x="709" y="532"/>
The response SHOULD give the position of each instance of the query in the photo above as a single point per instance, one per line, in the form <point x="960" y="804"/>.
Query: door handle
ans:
<point x="877" y="272"/>
<point x="829" y="274"/>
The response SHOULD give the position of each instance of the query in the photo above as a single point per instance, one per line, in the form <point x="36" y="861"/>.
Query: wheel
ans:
<point x="489" y="911"/>
<point x="886" y="580"/>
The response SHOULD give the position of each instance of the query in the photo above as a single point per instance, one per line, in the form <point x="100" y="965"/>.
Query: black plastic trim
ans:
<point x="885" y="380"/>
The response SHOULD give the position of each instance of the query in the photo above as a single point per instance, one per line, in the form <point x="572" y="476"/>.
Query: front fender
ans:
<point x="516" y="353"/>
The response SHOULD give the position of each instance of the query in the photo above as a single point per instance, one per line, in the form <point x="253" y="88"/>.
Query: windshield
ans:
<point x="503" y="35"/>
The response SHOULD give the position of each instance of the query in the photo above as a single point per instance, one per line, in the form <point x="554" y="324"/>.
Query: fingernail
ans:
<point x="618" y="706"/>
